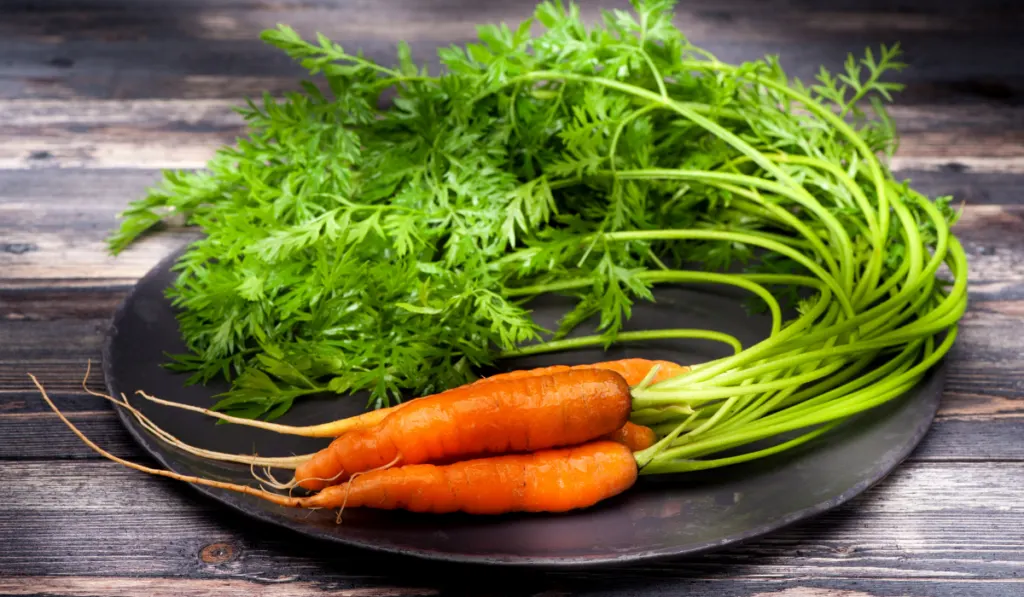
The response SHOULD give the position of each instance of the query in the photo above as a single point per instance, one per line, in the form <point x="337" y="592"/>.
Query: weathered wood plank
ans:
<point x="453" y="7"/>
<point x="915" y="526"/>
<point x="990" y="325"/>
<point x="724" y="22"/>
<point x="58" y="85"/>
<point x="63" y="375"/>
<point x="123" y="50"/>
<point x="61" y="256"/>
<point x="37" y="436"/>
<point x="965" y="186"/>
<point x="744" y="21"/>
<point x="184" y="134"/>
<point x="999" y="153"/>
<point x="30" y="340"/>
<point x="995" y="259"/>
<point x="66" y="118"/>
<point x="64" y="303"/>
<point x="87" y="586"/>
<point x="85" y="200"/>
<point x="980" y="89"/>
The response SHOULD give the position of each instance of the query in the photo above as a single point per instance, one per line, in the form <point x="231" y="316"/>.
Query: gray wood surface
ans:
<point x="97" y="96"/>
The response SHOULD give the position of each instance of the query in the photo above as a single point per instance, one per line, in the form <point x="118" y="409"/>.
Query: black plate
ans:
<point x="660" y="516"/>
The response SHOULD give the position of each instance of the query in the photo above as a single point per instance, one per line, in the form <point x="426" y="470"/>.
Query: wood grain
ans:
<point x="981" y="90"/>
<point x="87" y="586"/>
<point x="129" y="50"/>
<point x="153" y="134"/>
<point x="908" y="529"/>
<point x="720" y="586"/>
<point x="993" y="237"/>
<point x="701" y="20"/>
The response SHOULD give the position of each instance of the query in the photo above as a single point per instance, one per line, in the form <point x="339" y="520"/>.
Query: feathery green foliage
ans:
<point x="349" y="246"/>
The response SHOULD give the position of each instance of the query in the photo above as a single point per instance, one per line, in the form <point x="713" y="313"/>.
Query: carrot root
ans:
<point x="271" y="497"/>
<point x="329" y="429"/>
<point x="312" y="476"/>
<point x="285" y="462"/>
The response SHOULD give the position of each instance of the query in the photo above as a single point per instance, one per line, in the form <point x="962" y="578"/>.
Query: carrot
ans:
<point x="632" y="370"/>
<point x="633" y="436"/>
<point x="551" y="480"/>
<point x="517" y="415"/>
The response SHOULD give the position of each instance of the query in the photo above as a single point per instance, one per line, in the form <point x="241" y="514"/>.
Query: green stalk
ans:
<point x="654" y="397"/>
<point x="779" y="189"/>
<point x="753" y="353"/>
<point x="653" y="416"/>
<point x="748" y="238"/>
<point x="680" y="276"/>
<point x="854" y="403"/>
<point x="685" y="466"/>
<point x="830" y="117"/>
<point x="599" y="340"/>
<point x="695" y="114"/>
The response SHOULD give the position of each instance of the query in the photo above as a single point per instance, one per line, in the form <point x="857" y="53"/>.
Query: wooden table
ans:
<point x="97" y="95"/>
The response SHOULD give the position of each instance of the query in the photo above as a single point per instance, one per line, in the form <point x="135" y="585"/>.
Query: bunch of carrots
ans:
<point x="551" y="439"/>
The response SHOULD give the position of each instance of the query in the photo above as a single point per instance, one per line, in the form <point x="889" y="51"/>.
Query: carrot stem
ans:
<point x="682" y="466"/>
<point x="598" y="340"/>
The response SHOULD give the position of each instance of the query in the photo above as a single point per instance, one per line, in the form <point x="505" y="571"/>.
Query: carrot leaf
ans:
<point x="351" y="244"/>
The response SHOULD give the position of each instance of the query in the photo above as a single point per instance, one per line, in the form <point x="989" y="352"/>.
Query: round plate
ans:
<point x="660" y="516"/>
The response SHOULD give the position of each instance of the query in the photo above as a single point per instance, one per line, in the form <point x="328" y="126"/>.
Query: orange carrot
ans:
<point x="633" y="436"/>
<point x="553" y="480"/>
<point x="516" y="415"/>
<point x="632" y="370"/>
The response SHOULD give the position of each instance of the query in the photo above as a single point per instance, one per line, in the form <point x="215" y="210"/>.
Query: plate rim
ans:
<point x="938" y="370"/>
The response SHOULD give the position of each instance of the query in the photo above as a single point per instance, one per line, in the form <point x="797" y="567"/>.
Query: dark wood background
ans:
<point x="97" y="95"/>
